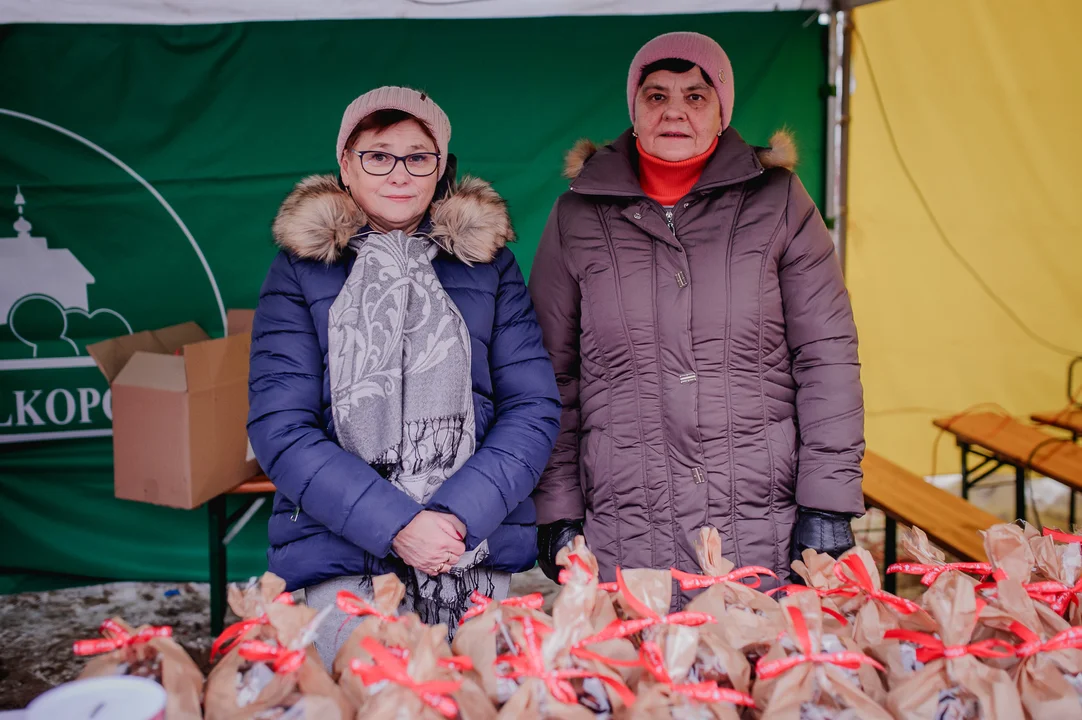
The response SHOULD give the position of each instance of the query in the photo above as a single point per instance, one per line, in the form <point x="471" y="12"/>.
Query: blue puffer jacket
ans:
<point x="333" y="514"/>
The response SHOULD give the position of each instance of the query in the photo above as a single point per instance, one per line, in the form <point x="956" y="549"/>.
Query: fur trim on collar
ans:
<point x="781" y="153"/>
<point x="317" y="219"/>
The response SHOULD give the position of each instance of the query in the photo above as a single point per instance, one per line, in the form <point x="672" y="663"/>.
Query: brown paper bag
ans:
<point x="250" y="605"/>
<point x="960" y="685"/>
<point x="698" y="672"/>
<point x="147" y="652"/>
<point x="669" y="688"/>
<point x="567" y="676"/>
<point x="1058" y="559"/>
<point x="418" y="685"/>
<point x="871" y="610"/>
<point x="1009" y="550"/>
<point x="381" y="621"/>
<point x="265" y="676"/>
<point x="582" y="610"/>
<point x="748" y="624"/>
<point x="1048" y="663"/>
<point x="809" y="671"/>
<point x="492" y="634"/>
<point x="748" y="620"/>
<point x="930" y="563"/>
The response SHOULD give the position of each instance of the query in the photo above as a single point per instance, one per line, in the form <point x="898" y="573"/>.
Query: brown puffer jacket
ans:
<point x="707" y="359"/>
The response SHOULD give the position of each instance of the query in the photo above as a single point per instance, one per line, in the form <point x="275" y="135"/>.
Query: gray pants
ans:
<point x="336" y="629"/>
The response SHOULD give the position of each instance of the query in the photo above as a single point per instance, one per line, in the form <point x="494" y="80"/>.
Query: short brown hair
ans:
<point x="383" y="119"/>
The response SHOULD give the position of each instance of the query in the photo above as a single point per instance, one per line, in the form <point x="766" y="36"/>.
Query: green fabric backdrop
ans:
<point x="221" y="120"/>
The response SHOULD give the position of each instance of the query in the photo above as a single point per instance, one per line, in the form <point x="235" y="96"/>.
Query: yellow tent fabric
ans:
<point x="983" y="98"/>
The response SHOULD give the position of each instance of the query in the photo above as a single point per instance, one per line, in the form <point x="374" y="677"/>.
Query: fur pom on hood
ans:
<point x="318" y="218"/>
<point x="781" y="153"/>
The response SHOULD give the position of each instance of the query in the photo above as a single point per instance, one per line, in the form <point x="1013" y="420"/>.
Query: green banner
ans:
<point x="140" y="169"/>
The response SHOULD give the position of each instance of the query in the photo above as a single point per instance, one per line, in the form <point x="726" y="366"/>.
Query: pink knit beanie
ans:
<point x="413" y="102"/>
<point x="695" y="48"/>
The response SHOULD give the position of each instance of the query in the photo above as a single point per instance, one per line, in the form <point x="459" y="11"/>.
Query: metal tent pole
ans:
<point x="840" y="82"/>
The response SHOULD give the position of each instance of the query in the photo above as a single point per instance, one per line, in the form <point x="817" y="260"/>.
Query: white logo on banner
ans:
<point x="53" y="390"/>
<point x="30" y="270"/>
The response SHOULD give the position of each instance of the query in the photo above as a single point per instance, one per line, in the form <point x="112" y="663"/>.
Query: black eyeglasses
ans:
<point x="378" y="162"/>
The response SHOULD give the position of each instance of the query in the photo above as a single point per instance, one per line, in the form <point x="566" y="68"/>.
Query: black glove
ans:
<point x="551" y="539"/>
<point x="822" y="531"/>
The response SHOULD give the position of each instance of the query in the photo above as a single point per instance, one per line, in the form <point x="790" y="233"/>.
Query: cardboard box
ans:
<point x="180" y="405"/>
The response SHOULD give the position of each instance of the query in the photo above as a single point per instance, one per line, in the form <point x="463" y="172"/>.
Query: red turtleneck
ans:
<point x="667" y="181"/>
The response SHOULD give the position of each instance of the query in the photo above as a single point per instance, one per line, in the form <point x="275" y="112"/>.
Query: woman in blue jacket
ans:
<point x="401" y="398"/>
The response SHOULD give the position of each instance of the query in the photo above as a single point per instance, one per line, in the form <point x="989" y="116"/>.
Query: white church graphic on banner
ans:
<point x="32" y="272"/>
<point x="29" y="267"/>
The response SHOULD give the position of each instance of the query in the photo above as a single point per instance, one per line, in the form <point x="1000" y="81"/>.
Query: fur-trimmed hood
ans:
<point x="781" y="153"/>
<point x="318" y="218"/>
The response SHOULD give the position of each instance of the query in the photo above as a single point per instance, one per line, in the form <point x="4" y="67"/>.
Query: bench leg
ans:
<point x="965" y="470"/>
<point x="890" y="554"/>
<point x="217" y="524"/>
<point x="1071" y="511"/>
<point x="1020" y="493"/>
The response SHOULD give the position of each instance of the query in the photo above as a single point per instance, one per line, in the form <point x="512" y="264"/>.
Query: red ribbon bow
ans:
<point x="929" y="573"/>
<point x="690" y="581"/>
<point x="282" y="660"/>
<point x="624" y="628"/>
<point x="531" y="663"/>
<point x="766" y="669"/>
<point x="575" y="560"/>
<point x="533" y="601"/>
<point x="861" y="582"/>
<point x="436" y="693"/>
<point x="349" y="603"/>
<point x="929" y="647"/>
<point x="1071" y="638"/>
<point x="117" y="637"/>
<point x="821" y="592"/>
<point x="1061" y="536"/>
<point x="235" y="632"/>
<point x="1054" y="594"/>
<point x="704" y="692"/>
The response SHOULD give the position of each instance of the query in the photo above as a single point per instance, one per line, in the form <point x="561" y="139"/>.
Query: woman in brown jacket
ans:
<point x="702" y="338"/>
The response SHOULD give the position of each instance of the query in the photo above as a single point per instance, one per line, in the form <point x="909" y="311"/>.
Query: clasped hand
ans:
<point x="432" y="542"/>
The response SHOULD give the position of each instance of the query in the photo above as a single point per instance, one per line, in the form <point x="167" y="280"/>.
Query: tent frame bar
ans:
<point x="839" y="81"/>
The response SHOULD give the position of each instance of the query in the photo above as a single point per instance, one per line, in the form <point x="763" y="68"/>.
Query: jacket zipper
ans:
<point x="296" y="513"/>
<point x="668" y="219"/>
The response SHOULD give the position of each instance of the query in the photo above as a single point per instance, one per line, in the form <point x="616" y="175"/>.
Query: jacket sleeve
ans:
<point x="285" y="385"/>
<point x="822" y="340"/>
<point x="557" y="297"/>
<point x="505" y="468"/>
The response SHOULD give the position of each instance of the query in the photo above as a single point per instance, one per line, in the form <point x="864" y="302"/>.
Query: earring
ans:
<point x="720" y="132"/>
<point x="634" y="134"/>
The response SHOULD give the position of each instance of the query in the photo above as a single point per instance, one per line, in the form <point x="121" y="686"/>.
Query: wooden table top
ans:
<point x="1019" y="444"/>
<point x="1063" y="419"/>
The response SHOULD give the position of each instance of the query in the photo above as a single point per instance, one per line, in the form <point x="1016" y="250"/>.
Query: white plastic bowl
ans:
<point x="103" y="698"/>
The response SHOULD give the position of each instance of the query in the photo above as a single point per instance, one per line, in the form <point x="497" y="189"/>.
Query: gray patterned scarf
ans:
<point x="401" y="388"/>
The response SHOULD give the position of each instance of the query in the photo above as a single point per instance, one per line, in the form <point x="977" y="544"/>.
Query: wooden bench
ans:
<point x="1000" y="441"/>
<point x="223" y="528"/>
<point x="949" y="521"/>
<point x="1069" y="419"/>
<point x="1066" y="419"/>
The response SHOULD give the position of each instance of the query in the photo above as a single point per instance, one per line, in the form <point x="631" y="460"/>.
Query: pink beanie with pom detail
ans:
<point x="410" y="101"/>
<point x="695" y="48"/>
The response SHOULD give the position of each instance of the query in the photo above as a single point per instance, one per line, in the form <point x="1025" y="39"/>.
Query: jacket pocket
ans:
<point x="783" y="449"/>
